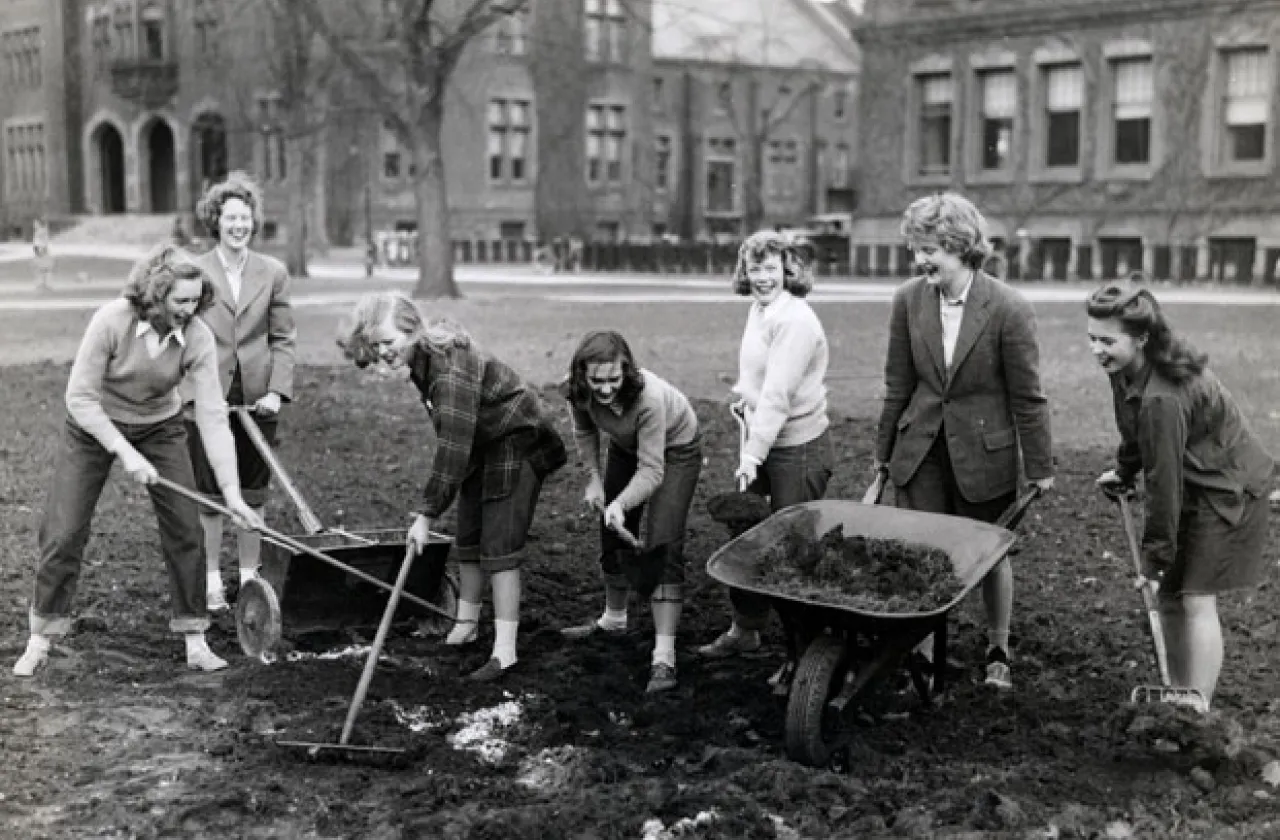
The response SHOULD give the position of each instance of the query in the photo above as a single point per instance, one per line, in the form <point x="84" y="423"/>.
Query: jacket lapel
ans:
<point x="976" y="315"/>
<point x="213" y="266"/>
<point x="931" y="328"/>
<point x="253" y="283"/>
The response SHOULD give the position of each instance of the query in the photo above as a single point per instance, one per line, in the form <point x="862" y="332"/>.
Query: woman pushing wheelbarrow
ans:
<point x="1205" y="473"/>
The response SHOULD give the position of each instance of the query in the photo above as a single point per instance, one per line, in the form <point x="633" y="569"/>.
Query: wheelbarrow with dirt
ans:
<point x="837" y="653"/>
<point x="316" y="594"/>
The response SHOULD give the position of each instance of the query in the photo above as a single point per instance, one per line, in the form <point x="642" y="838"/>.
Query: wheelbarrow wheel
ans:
<point x="446" y="599"/>
<point x="814" y="733"/>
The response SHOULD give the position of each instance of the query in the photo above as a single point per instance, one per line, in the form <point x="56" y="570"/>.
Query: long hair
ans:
<point x="797" y="278"/>
<point x="152" y="279"/>
<point x="1139" y="314"/>
<point x="237" y="185"/>
<point x="604" y="347"/>
<point x="373" y="310"/>
<point x="954" y="222"/>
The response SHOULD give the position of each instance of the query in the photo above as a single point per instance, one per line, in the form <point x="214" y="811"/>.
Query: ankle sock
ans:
<point x="664" y="650"/>
<point x="468" y="620"/>
<point x="504" y="643"/>
<point x="213" y="582"/>
<point x="247" y="574"/>
<point x="613" y="619"/>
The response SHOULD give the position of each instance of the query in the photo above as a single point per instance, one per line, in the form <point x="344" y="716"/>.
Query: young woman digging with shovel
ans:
<point x="1205" y="473"/>
<point x="495" y="443"/>
<point x="654" y="459"/>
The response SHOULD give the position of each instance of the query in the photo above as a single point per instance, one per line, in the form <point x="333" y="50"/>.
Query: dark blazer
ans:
<point x="257" y="331"/>
<point x="990" y="403"/>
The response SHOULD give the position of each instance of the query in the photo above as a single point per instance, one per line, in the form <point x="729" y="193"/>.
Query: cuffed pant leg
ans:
<point x="81" y="472"/>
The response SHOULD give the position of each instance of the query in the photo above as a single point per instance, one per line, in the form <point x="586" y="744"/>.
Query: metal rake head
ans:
<point x="1191" y="698"/>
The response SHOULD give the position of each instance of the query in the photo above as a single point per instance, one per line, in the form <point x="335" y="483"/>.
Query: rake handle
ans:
<point x="1148" y="598"/>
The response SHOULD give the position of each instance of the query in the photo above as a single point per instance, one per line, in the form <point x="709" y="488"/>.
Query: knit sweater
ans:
<point x="781" y="366"/>
<point x="115" y="380"/>
<point x="660" y="418"/>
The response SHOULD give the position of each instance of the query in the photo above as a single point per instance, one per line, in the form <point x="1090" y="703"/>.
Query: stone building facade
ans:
<point x="1100" y="137"/>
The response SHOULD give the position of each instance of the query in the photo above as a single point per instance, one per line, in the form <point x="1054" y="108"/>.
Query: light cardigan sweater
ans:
<point x="114" y="379"/>
<point x="660" y="418"/>
<point x="781" y="366"/>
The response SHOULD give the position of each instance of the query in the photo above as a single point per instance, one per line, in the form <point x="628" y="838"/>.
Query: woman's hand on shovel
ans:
<point x="419" y="534"/>
<point x="615" y="517"/>
<point x="746" y="473"/>
<point x="593" y="498"/>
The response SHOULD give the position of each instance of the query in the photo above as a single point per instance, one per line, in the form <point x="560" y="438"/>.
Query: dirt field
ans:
<point x="116" y="740"/>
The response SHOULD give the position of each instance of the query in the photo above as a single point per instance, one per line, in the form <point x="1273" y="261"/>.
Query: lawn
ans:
<point x="114" y="741"/>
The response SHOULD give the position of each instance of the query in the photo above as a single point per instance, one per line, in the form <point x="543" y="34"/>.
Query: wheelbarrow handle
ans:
<point x="290" y="544"/>
<point x="1014" y="513"/>
<point x="876" y="490"/>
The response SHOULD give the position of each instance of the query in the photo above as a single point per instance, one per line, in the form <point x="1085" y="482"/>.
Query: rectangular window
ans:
<point x="593" y="29"/>
<point x="934" y="150"/>
<point x="606" y="139"/>
<point x="1132" y="110"/>
<point x="271" y="131"/>
<point x="999" y="104"/>
<point x="839" y="104"/>
<point x="662" y="161"/>
<point x="616" y="26"/>
<point x="722" y="160"/>
<point x="1064" y="99"/>
<point x="1245" y="105"/>
<point x="511" y="34"/>
<point x="724" y="97"/>
<point x="842" y="167"/>
<point x="508" y="142"/>
<point x="518" y="140"/>
<point x="614" y="142"/>
<point x="659" y="95"/>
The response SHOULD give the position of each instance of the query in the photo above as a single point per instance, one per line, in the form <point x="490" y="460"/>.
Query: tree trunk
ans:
<point x="435" y="246"/>
<point x="298" y="188"/>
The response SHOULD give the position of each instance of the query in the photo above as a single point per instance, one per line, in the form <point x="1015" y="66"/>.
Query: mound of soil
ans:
<point x="864" y="573"/>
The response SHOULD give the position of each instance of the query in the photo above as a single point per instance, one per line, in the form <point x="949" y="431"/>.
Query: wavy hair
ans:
<point x="1140" y="316"/>
<point x="604" y="347"/>
<point x="152" y="279"/>
<point x="239" y="185"/>
<point x="797" y="276"/>
<point x="954" y="222"/>
<point x="373" y="310"/>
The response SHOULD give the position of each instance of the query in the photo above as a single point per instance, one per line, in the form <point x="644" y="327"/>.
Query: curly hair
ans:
<point x="373" y="310"/>
<point x="797" y="275"/>
<point x="604" y="347"/>
<point x="953" y="222"/>
<point x="1140" y="316"/>
<point x="152" y="279"/>
<point x="237" y="185"/>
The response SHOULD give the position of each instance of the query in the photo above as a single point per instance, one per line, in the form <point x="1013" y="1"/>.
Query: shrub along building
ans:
<point x="1100" y="137"/>
<point x="575" y="117"/>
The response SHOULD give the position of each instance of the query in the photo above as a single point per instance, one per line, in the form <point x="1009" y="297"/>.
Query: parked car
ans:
<point x="829" y="234"/>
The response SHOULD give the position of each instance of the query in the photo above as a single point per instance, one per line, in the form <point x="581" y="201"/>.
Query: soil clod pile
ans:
<point x="865" y="573"/>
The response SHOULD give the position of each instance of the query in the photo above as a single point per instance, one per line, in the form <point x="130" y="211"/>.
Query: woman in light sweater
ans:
<point x="654" y="459"/>
<point x="123" y="402"/>
<point x="781" y="367"/>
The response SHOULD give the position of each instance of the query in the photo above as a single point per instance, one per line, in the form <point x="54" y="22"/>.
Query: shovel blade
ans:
<point x="1152" y="694"/>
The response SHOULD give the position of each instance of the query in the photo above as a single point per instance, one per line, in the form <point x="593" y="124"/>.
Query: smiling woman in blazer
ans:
<point x="962" y="391"/>
<point x="252" y="322"/>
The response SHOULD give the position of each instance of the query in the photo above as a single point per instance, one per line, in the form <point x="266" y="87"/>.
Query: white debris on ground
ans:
<point x="478" y="732"/>
<point x="351" y="651"/>
<point x="549" y="769"/>
<point x="655" y="830"/>
<point x="781" y="830"/>
<point x="420" y="718"/>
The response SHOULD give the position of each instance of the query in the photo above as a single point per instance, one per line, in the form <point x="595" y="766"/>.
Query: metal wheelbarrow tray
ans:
<point x="837" y="652"/>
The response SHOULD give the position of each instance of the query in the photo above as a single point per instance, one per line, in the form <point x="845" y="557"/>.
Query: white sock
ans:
<point x="468" y="619"/>
<point x="196" y="644"/>
<point x="664" y="650"/>
<point x="504" y="643"/>
<point x="247" y="574"/>
<point x="38" y="643"/>
<point x="613" y="619"/>
<point x="736" y="632"/>
<point x="214" y="581"/>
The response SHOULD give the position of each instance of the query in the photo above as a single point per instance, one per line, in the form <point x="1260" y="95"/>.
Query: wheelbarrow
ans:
<point x="317" y="595"/>
<point x="840" y="652"/>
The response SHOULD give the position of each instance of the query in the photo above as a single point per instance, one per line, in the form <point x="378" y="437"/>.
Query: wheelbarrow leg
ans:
<point x="940" y="657"/>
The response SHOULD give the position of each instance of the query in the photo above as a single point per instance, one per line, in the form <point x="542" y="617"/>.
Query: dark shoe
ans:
<point x="489" y="671"/>
<point x="725" y="645"/>
<point x="591" y="628"/>
<point x="999" y="674"/>
<point x="662" y="677"/>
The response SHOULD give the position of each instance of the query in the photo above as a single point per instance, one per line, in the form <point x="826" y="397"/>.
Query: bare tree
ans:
<point x="403" y="65"/>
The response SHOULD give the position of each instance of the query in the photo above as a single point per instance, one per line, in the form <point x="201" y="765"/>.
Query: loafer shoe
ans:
<point x="726" y="645"/>
<point x="489" y="671"/>
<point x="591" y="628"/>
<point x="29" y="662"/>
<point x="999" y="674"/>
<point x="205" y="660"/>
<point x="662" y="677"/>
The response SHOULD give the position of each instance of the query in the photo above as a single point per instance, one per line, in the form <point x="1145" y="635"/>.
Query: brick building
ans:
<point x="1100" y="137"/>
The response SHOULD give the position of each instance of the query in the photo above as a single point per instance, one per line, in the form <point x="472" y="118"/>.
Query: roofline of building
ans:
<point x="836" y="31"/>
<point x="1046" y="20"/>
<point x="712" y="64"/>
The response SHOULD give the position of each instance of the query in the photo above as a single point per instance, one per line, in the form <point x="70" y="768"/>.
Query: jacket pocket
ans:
<point x="994" y="441"/>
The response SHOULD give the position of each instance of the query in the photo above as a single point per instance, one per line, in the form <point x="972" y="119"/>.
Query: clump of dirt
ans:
<point x="739" y="512"/>
<point x="865" y="573"/>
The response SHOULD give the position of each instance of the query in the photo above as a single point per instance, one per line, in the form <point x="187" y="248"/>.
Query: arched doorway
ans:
<point x="110" y="148"/>
<point x="161" y="162"/>
<point x="208" y="152"/>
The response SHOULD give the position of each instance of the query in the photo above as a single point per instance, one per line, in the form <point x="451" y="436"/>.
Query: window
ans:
<point x="722" y="158"/>
<point x="271" y="131"/>
<point x="1064" y="99"/>
<point x="511" y="35"/>
<point x="22" y="57"/>
<point x="839" y="104"/>
<point x="782" y="170"/>
<point x="659" y="95"/>
<point x="100" y="35"/>
<point x="662" y="161"/>
<point x="1132" y="110"/>
<point x="508" y="140"/>
<point x="724" y="97"/>
<point x="606" y="137"/>
<point x="123" y="23"/>
<point x="841" y="167"/>
<point x="24" y="161"/>
<point x="205" y="19"/>
<point x="1245" y="105"/>
<point x="153" y="33"/>
<point x="604" y="30"/>
<point x="934" y="149"/>
<point x="394" y="156"/>
<point x="999" y="91"/>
